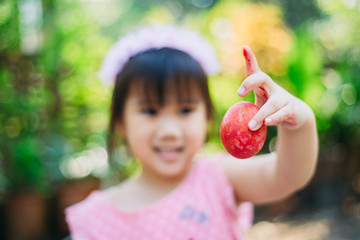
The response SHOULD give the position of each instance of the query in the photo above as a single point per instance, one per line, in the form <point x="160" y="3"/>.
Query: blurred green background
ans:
<point x="54" y="108"/>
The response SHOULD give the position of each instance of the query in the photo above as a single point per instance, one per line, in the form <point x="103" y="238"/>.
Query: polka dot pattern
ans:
<point x="201" y="207"/>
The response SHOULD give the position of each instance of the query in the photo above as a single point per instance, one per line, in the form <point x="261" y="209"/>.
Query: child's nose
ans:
<point x="169" y="128"/>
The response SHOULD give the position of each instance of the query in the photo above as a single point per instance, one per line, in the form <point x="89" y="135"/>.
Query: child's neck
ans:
<point x="144" y="190"/>
<point x="152" y="181"/>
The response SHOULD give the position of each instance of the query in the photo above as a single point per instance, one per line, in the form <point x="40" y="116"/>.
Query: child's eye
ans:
<point x="186" y="110"/>
<point x="149" y="111"/>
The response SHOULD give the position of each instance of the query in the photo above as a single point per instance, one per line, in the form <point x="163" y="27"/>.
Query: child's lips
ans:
<point x="169" y="155"/>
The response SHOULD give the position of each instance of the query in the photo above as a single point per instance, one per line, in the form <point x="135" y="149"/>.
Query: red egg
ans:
<point x="235" y="134"/>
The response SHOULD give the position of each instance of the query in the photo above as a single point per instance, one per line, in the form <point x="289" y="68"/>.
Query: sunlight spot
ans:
<point x="221" y="27"/>
<point x="202" y="3"/>
<point x="328" y="104"/>
<point x="94" y="161"/>
<point x="332" y="79"/>
<point x="348" y="94"/>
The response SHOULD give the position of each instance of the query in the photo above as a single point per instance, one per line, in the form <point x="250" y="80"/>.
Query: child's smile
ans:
<point x="169" y="154"/>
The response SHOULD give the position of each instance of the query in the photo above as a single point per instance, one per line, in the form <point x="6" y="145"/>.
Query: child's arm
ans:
<point x="270" y="177"/>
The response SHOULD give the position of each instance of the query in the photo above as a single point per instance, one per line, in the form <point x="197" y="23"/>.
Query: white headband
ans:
<point x="158" y="36"/>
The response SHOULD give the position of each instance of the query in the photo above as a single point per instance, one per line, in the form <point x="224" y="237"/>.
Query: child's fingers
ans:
<point x="271" y="107"/>
<point x="254" y="81"/>
<point x="284" y="114"/>
<point x="250" y="61"/>
<point x="260" y="100"/>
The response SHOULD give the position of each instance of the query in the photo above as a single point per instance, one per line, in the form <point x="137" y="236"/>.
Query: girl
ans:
<point x="161" y="106"/>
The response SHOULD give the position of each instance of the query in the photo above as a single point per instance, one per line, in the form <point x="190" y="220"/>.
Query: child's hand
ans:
<point x="292" y="164"/>
<point x="277" y="106"/>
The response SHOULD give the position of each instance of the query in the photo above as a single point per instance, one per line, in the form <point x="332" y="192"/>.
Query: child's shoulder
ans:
<point x="121" y="194"/>
<point x="85" y="209"/>
<point x="105" y="197"/>
<point x="212" y="167"/>
<point x="211" y="161"/>
<point x="86" y="204"/>
<point x="123" y="188"/>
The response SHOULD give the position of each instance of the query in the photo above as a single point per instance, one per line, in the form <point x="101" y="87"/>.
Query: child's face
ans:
<point x="164" y="138"/>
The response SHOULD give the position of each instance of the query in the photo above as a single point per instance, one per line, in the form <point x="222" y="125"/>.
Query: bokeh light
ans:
<point x="54" y="109"/>
<point x="94" y="161"/>
<point x="249" y="24"/>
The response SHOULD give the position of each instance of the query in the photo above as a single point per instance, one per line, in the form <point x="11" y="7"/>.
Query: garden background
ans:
<point x="54" y="108"/>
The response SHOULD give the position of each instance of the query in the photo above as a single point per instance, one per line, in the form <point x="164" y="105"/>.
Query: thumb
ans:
<point x="250" y="61"/>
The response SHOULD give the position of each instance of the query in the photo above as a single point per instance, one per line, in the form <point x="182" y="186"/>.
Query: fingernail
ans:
<point x="241" y="91"/>
<point x="268" y="120"/>
<point x="252" y="124"/>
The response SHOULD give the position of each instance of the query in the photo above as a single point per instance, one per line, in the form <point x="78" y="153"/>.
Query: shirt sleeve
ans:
<point x="222" y="186"/>
<point x="244" y="213"/>
<point x="77" y="217"/>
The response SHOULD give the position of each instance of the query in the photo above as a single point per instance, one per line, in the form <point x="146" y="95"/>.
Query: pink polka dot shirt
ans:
<point x="201" y="207"/>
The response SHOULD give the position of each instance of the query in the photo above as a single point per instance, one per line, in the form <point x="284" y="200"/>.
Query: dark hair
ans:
<point x="153" y="71"/>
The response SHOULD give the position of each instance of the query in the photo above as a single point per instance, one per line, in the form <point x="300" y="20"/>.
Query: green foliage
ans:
<point x="305" y="67"/>
<point x="53" y="106"/>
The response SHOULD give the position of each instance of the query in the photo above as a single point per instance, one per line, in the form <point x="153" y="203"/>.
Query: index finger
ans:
<point x="250" y="61"/>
